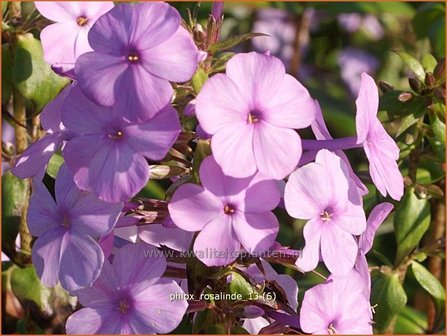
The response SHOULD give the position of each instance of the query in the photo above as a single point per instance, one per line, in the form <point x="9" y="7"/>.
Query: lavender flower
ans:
<point x="336" y="307"/>
<point x="108" y="154"/>
<point x="129" y="297"/>
<point x="319" y="192"/>
<point x="381" y="150"/>
<point x="66" y="249"/>
<point x="138" y="49"/>
<point x="228" y="212"/>
<point x="251" y="112"/>
<point x="64" y="41"/>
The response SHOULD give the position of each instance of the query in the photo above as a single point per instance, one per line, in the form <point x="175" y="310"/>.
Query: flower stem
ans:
<point x="332" y="144"/>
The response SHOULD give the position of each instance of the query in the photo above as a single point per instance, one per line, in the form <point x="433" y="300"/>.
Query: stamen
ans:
<point x="124" y="306"/>
<point x="229" y="209"/>
<point x="115" y="136"/>
<point x="81" y="21"/>
<point x="66" y="222"/>
<point x="326" y="216"/>
<point x="133" y="58"/>
<point x="331" y="329"/>
<point x="252" y="118"/>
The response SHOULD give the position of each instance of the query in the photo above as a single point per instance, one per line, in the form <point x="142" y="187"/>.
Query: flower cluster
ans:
<point x="118" y="121"/>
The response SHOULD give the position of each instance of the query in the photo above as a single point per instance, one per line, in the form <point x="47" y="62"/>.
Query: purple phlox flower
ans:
<point x="321" y="132"/>
<point x="66" y="39"/>
<point x="190" y="109"/>
<point x="108" y="154"/>
<point x="67" y="227"/>
<point x="352" y="22"/>
<point x="381" y="150"/>
<point x="138" y="50"/>
<point x="251" y="113"/>
<point x="336" y="307"/>
<point x="376" y="217"/>
<point x="228" y="212"/>
<point x="129" y="297"/>
<point x="33" y="161"/>
<point x="8" y="140"/>
<point x="353" y="62"/>
<point x="166" y="234"/>
<point x="319" y="192"/>
<point x="254" y="325"/>
<point x="106" y="244"/>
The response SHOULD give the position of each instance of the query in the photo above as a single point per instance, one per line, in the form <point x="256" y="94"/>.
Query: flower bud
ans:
<point x="385" y="86"/>
<point x="415" y="84"/>
<point x="430" y="80"/>
<point x="439" y="93"/>
<point x="439" y="71"/>
<point x="405" y="96"/>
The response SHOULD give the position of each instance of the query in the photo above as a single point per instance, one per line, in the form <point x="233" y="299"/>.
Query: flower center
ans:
<point x="229" y="209"/>
<point x="81" y="21"/>
<point x="253" y="116"/>
<point x="124" y="306"/>
<point x="331" y="329"/>
<point x="133" y="57"/>
<point x="326" y="215"/>
<point x="66" y="222"/>
<point x="115" y="136"/>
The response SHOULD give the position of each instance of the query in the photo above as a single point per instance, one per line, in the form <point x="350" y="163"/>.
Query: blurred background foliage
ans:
<point x="326" y="46"/>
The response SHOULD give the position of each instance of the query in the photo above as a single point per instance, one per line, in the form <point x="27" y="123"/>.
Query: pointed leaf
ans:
<point x="232" y="42"/>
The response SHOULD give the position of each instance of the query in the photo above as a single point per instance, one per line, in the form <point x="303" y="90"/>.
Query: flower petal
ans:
<point x="310" y="254"/>
<point x="367" y="104"/>
<point x="154" y="137"/>
<point x="255" y="231"/>
<point x="261" y="195"/>
<point x="81" y="261"/>
<point x="217" y="244"/>
<point x="51" y="116"/>
<point x="291" y="106"/>
<point x="88" y="321"/>
<point x="338" y="249"/>
<point x="172" y="237"/>
<point x="46" y="255"/>
<point x="352" y="219"/>
<point x="192" y="207"/>
<point x="58" y="11"/>
<point x="220" y="105"/>
<point x="174" y="59"/>
<point x="233" y="150"/>
<point x="376" y="217"/>
<point x="277" y="150"/>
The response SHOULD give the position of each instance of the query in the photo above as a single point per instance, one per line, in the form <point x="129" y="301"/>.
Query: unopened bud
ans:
<point x="405" y="96"/>
<point x="385" y="86"/>
<point x="439" y="93"/>
<point x="415" y="84"/>
<point x="199" y="34"/>
<point x="439" y="71"/>
<point x="430" y="80"/>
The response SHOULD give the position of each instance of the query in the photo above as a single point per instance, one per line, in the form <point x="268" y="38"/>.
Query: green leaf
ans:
<point x="199" y="78"/>
<point x="411" y="221"/>
<point x="438" y="128"/>
<point x="14" y="195"/>
<point x="203" y="149"/>
<point x="238" y="285"/>
<point x="6" y="73"/>
<point x="31" y="75"/>
<point x="428" y="281"/>
<point x="55" y="163"/>
<point x="411" y="321"/>
<point x="232" y="42"/>
<point x="429" y="63"/>
<point x="219" y="64"/>
<point x="426" y="15"/>
<point x="26" y="286"/>
<point x="413" y="64"/>
<point x="388" y="296"/>
<point x="437" y="37"/>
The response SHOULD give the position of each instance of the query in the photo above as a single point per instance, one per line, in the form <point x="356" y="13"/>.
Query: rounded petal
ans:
<point x="290" y="287"/>
<point x="217" y="244"/>
<point x="257" y="76"/>
<point x="174" y="59"/>
<point x="58" y="11"/>
<point x="94" y="9"/>
<point x="316" y="310"/>
<point x="277" y="150"/>
<point x="192" y="207"/>
<point x="254" y="325"/>
<point x="261" y="195"/>
<point x="46" y="255"/>
<point x="367" y="105"/>
<point x="35" y="158"/>
<point x="255" y="231"/>
<point x="81" y="261"/>
<point x="111" y="170"/>
<point x="220" y="105"/>
<point x="290" y="107"/>
<point x="306" y="194"/>
<point x="352" y="219"/>
<point x="172" y="237"/>
<point x="88" y="321"/>
<point x="310" y="255"/>
<point x="51" y="116"/>
<point x="154" y="137"/>
<point x="233" y="150"/>
<point x="100" y="75"/>
<point x="155" y="312"/>
<point x="138" y="265"/>
<point x="338" y="249"/>
<point x="376" y="217"/>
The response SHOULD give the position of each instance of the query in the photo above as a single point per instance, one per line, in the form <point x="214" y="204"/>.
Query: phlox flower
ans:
<point x="66" y="228"/>
<point x="138" y="50"/>
<point x="319" y="192"/>
<point x="251" y="113"/>
<point x="66" y="39"/>
<point x="130" y="296"/>
<point x="108" y="153"/>
<point x="381" y="150"/>
<point x="228" y="212"/>
<point x="35" y="158"/>
<point x="336" y="307"/>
